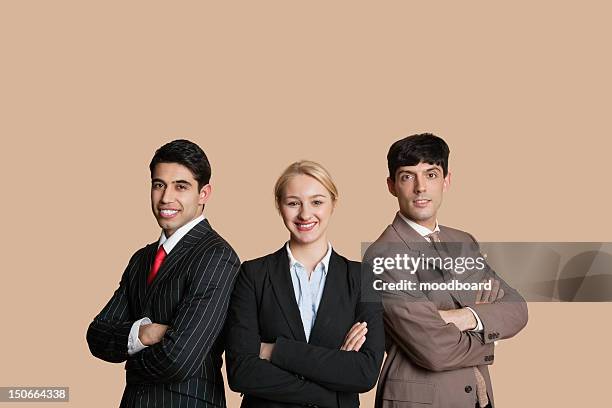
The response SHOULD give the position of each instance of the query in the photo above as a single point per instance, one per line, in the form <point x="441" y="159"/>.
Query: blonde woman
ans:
<point x="299" y="331"/>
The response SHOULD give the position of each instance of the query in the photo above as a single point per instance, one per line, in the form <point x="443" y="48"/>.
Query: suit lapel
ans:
<point x="454" y="250"/>
<point x="415" y="241"/>
<point x="283" y="289"/>
<point x="178" y="252"/>
<point x="143" y="273"/>
<point x="335" y="287"/>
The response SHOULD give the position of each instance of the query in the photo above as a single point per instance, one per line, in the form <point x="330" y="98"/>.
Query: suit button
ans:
<point x="490" y="336"/>
<point x="468" y="388"/>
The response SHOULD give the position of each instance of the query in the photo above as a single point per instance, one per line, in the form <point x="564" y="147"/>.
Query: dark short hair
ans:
<point x="412" y="150"/>
<point x="188" y="154"/>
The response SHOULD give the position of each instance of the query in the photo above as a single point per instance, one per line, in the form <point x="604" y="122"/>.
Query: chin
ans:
<point x="165" y="225"/>
<point x="419" y="215"/>
<point x="300" y="239"/>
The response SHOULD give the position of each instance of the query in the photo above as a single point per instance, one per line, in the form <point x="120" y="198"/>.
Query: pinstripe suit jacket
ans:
<point x="190" y="294"/>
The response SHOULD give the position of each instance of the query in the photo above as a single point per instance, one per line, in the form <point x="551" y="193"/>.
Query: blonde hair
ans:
<point x="308" y="168"/>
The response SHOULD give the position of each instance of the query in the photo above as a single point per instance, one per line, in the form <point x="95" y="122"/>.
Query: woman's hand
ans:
<point x="265" y="351"/>
<point x="355" y="337"/>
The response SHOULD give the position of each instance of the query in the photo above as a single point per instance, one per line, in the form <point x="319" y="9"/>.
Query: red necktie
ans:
<point x="159" y="258"/>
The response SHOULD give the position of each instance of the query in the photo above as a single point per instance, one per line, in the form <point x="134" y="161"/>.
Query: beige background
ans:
<point x="88" y="91"/>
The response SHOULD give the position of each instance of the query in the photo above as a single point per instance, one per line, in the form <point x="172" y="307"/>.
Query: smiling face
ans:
<point x="175" y="198"/>
<point x="419" y="190"/>
<point x="306" y="206"/>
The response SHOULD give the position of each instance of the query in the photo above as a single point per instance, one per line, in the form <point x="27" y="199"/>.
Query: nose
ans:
<point x="167" y="195"/>
<point x="419" y="184"/>
<point x="305" y="213"/>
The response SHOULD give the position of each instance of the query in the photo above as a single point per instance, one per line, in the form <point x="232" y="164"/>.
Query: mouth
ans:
<point x="421" y="202"/>
<point x="305" y="226"/>
<point x="168" y="213"/>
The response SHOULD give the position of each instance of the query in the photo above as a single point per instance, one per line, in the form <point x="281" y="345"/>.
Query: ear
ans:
<point x="447" y="181"/>
<point x="205" y="193"/>
<point x="391" y="186"/>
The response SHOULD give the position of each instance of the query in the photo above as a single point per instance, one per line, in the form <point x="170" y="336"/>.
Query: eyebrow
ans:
<point x="424" y="171"/>
<point x="181" y="182"/>
<point x="156" y="180"/>
<point x="312" y="196"/>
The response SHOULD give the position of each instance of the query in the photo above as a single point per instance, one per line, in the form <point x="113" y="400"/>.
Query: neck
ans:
<point x="169" y="232"/>
<point x="429" y="223"/>
<point x="309" y="254"/>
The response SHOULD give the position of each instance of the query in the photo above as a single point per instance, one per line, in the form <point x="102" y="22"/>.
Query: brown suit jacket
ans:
<point x="429" y="363"/>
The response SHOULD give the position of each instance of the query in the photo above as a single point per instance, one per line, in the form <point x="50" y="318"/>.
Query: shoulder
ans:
<point x="266" y="262"/>
<point x="213" y="242"/>
<point x="388" y="242"/>
<point x="142" y="253"/>
<point x="358" y="280"/>
<point x="140" y="259"/>
<point x="258" y="262"/>
<point x="209" y="254"/>
<point x="349" y="263"/>
<point x="388" y="235"/>
<point x="453" y="234"/>
<point x="352" y="268"/>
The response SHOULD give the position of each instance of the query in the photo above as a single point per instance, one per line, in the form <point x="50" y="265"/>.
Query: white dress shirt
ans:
<point x="424" y="232"/>
<point x="307" y="291"/>
<point x="134" y="343"/>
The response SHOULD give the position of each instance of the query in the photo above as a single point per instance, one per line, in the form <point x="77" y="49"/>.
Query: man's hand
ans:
<point x="490" y="296"/>
<point x="150" y="334"/>
<point x="462" y="318"/>
<point x="355" y="337"/>
<point x="265" y="351"/>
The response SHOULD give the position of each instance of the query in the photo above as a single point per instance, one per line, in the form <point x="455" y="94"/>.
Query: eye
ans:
<point x="293" y="204"/>
<point x="406" y="177"/>
<point x="181" y="187"/>
<point x="317" y="202"/>
<point x="157" y="185"/>
<point x="432" y="175"/>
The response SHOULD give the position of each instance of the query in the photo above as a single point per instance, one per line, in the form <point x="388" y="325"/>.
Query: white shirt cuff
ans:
<point x="479" y="327"/>
<point x="134" y="343"/>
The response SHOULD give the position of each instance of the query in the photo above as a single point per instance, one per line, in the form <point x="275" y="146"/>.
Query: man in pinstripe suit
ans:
<point x="166" y="317"/>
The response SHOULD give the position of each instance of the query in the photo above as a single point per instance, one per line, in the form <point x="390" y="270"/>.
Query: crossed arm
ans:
<point x="295" y="372"/>
<point x="194" y="328"/>
<point x="464" y="318"/>
<point x="349" y="368"/>
<point x="107" y="335"/>
<point x="426" y="335"/>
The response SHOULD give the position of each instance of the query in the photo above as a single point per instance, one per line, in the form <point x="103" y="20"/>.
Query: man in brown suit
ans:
<point x="442" y="319"/>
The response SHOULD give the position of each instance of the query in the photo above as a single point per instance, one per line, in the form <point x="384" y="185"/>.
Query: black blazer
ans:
<point x="263" y="309"/>
<point x="190" y="294"/>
